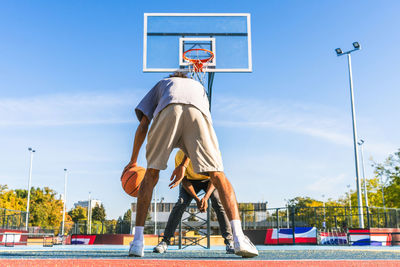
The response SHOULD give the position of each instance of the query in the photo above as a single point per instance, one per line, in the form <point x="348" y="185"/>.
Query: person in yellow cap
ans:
<point x="192" y="184"/>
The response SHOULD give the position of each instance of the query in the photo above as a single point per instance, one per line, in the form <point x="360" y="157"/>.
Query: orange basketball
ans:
<point x="131" y="180"/>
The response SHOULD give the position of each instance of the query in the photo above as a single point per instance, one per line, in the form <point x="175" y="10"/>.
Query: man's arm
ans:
<point x="203" y="202"/>
<point x="179" y="173"/>
<point x="140" y="135"/>
<point x="190" y="189"/>
<point x="210" y="189"/>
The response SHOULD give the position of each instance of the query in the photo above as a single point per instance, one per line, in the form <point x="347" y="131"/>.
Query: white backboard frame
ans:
<point x="249" y="54"/>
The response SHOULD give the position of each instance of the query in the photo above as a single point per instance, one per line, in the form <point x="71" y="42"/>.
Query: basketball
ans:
<point x="131" y="180"/>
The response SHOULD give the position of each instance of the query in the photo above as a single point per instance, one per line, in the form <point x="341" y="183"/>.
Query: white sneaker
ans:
<point x="244" y="247"/>
<point x="229" y="248"/>
<point x="161" y="248"/>
<point x="136" y="248"/>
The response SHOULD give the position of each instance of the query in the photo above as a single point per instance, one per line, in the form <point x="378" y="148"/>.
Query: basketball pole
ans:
<point x="209" y="86"/>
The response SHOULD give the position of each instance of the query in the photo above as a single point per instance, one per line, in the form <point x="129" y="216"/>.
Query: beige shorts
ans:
<point x="185" y="127"/>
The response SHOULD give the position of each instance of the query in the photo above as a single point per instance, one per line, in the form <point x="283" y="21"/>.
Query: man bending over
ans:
<point x="181" y="117"/>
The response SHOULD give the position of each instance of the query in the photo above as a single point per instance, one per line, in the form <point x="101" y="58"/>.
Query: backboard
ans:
<point x="168" y="35"/>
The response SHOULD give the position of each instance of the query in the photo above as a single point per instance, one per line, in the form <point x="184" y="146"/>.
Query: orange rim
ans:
<point x="198" y="63"/>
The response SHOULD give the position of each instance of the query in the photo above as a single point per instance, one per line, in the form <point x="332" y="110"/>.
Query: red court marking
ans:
<point x="196" y="263"/>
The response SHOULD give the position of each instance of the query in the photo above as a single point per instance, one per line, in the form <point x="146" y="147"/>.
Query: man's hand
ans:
<point x="203" y="205"/>
<point x="177" y="176"/>
<point x="198" y="203"/>
<point x="131" y="164"/>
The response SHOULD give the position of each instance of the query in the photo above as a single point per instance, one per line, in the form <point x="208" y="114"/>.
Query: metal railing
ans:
<point x="12" y="219"/>
<point x="10" y="239"/>
<point x="330" y="217"/>
<point x="100" y="227"/>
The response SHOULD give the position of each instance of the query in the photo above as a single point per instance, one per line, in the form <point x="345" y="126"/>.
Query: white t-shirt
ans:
<point x="173" y="90"/>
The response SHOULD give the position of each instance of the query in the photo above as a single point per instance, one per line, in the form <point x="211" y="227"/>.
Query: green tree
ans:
<point x="78" y="213"/>
<point x="246" y="211"/>
<point x="388" y="173"/>
<point x="12" y="199"/>
<point x="111" y="226"/>
<point x="99" y="213"/>
<point x="45" y="209"/>
<point x="127" y="216"/>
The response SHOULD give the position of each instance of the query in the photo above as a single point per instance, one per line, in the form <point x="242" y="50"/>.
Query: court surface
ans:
<point x="116" y="255"/>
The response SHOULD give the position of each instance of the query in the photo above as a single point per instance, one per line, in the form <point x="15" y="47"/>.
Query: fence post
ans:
<point x="277" y="224"/>
<point x="293" y="225"/>
<point x="208" y="224"/>
<point x="180" y="234"/>
<point x="254" y="219"/>
<point x="368" y="219"/>
<point x="385" y="217"/>
<point x="316" y="217"/>
<point x="243" y="220"/>
<point x="20" y="220"/>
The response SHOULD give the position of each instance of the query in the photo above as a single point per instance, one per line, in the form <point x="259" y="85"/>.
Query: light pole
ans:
<point x="65" y="200"/>
<point x="361" y="143"/>
<point x="29" y="189"/>
<point x="339" y="52"/>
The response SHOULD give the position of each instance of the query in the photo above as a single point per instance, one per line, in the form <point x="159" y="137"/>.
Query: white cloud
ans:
<point x="69" y="109"/>
<point x="116" y="107"/>
<point x="324" y="122"/>
<point x="335" y="182"/>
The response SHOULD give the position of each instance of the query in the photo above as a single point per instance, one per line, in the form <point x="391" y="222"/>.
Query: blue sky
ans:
<point x="71" y="74"/>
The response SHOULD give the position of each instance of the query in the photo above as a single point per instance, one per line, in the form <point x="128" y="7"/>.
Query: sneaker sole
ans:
<point x="246" y="254"/>
<point x="135" y="255"/>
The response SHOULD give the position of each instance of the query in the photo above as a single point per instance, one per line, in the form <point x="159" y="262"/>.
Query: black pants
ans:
<point x="184" y="201"/>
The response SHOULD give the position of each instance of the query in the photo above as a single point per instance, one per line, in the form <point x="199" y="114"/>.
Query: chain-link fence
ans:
<point x="98" y="227"/>
<point x="12" y="219"/>
<point x="320" y="217"/>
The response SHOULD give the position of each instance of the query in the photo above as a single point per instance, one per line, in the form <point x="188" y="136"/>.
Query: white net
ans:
<point x="199" y="60"/>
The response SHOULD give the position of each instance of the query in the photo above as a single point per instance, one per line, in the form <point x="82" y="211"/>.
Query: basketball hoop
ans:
<point x="199" y="59"/>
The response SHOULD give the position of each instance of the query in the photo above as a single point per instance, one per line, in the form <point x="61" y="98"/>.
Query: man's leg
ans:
<point x="144" y="198"/>
<point x="176" y="215"/>
<point x="145" y="193"/>
<point x="243" y="246"/>
<point x="227" y="194"/>
<point x="223" y="221"/>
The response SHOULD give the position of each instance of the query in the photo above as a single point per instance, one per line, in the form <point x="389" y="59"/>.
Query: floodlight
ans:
<point x="360" y="142"/>
<point x="356" y="45"/>
<point x="338" y="51"/>
<point x="30" y="149"/>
